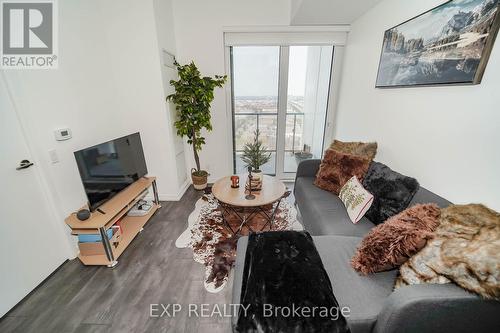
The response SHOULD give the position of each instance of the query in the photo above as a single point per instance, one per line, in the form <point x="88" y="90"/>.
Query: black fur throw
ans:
<point x="392" y="192"/>
<point x="286" y="288"/>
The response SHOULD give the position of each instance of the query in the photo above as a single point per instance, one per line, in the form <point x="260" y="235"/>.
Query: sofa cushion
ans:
<point x="363" y="149"/>
<point x="391" y="243"/>
<point x="364" y="295"/>
<point x="323" y="213"/>
<point x="356" y="199"/>
<point x="337" y="168"/>
<point x="392" y="191"/>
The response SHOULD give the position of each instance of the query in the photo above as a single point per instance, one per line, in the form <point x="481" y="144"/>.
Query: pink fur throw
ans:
<point x="390" y="244"/>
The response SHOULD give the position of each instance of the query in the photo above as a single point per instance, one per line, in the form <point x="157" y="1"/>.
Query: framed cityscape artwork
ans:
<point x="449" y="44"/>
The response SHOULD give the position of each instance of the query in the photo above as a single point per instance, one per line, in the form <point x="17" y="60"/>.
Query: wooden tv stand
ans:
<point x="115" y="210"/>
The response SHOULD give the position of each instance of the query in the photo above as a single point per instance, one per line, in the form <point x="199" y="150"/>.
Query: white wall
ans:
<point x="199" y="34"/>
<point x="317" y="84"/>
<point x="446" y="137"/>
<point x="324" y="12"/>
<point x="108" y="84"/>
<point x="164" y="19"/>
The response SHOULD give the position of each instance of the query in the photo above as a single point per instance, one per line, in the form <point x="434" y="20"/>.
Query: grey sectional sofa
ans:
<point x="374" y="306"/>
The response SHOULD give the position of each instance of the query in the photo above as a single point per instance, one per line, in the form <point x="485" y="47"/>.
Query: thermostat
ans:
<point x="62" y="134"/>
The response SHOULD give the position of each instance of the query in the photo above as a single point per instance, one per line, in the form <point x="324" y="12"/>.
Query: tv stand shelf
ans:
<point x="115" y="210"/>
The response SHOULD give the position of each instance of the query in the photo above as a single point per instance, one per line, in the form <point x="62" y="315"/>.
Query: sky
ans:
<point x="256" y="70"/>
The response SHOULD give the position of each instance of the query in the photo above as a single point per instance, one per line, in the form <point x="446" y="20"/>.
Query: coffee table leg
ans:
<point x="254" y="211"/>
<point x="224" y="220"/>
<point x="274" y="214"/>
<point x="270" y="219"/>
<point x="246" y="217"/>
<point x="228" y="209"/>
<point x="285" y="195"/>
<point x="242" y="219"/>
<point x="243" y="223"/>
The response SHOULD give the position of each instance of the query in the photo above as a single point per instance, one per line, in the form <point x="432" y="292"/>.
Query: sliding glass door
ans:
<point x="283" y="92"/>
<point x="255" y="100"/>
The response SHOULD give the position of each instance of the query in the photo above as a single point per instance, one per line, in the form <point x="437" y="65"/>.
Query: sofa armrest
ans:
<point x="437" y="308"/>
<point x="239" y="265"/>
<point x="308" y="168"/>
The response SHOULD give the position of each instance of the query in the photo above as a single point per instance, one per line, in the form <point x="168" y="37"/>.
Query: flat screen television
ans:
<point x="109" y="167"/>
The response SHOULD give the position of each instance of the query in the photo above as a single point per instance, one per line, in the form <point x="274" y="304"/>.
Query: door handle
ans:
<point x="24" y="164"/>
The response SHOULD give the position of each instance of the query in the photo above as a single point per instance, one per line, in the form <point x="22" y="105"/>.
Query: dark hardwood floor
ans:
<point x="81" y="298"/>
<point x="152" y="270"/>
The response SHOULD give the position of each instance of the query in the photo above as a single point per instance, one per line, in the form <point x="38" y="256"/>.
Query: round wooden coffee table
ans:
<point x="232" y="201"/>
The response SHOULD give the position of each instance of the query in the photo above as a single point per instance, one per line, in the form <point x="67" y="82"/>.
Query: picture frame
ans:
<point x="449" y="44"/>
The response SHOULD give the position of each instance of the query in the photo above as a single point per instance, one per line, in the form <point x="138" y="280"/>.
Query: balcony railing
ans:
<point x="295" y="145"/>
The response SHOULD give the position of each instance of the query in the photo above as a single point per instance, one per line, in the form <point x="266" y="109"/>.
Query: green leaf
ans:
<point x="255" y="154"/>
<point x="192" y="98"/>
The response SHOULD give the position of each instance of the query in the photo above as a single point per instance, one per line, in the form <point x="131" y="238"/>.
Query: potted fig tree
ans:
<point x="255" y="155"/>
<point x="192" y="98"/>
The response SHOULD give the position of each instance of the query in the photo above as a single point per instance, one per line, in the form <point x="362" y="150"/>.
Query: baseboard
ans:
<point x="176" y="197"/>
<point x="171" y="197"/>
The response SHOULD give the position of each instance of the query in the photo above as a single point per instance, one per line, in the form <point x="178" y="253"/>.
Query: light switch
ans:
<point x="53" y="156"/>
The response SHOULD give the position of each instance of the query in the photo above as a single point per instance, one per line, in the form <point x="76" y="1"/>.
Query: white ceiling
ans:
<point x="325" y="12"/>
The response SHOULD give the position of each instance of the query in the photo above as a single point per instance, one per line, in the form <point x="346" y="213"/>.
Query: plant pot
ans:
<point x="257" y="174"/>
<point x="199" y="178"/>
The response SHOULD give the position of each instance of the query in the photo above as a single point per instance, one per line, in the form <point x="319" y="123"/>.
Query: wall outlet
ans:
<point x="53" y="156"/>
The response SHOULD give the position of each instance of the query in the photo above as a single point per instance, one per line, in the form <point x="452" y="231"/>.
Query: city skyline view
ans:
<point x="256" y="91"/>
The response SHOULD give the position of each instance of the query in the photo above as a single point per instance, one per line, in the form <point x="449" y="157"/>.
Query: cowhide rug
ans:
<point x="214" y="246"/>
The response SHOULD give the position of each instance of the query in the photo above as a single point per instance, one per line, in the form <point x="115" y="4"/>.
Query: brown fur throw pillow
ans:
<point x="362" y="149"/>
<point x="465" y="249"/>
<point x="337" y="168"/>
<point x="390" y="244"/>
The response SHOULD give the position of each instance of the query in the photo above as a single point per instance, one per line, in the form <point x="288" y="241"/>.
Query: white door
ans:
<point x="32" y="245"/>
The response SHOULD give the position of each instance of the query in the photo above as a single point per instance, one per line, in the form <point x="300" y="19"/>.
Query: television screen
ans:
<point x="110" y="167"/>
